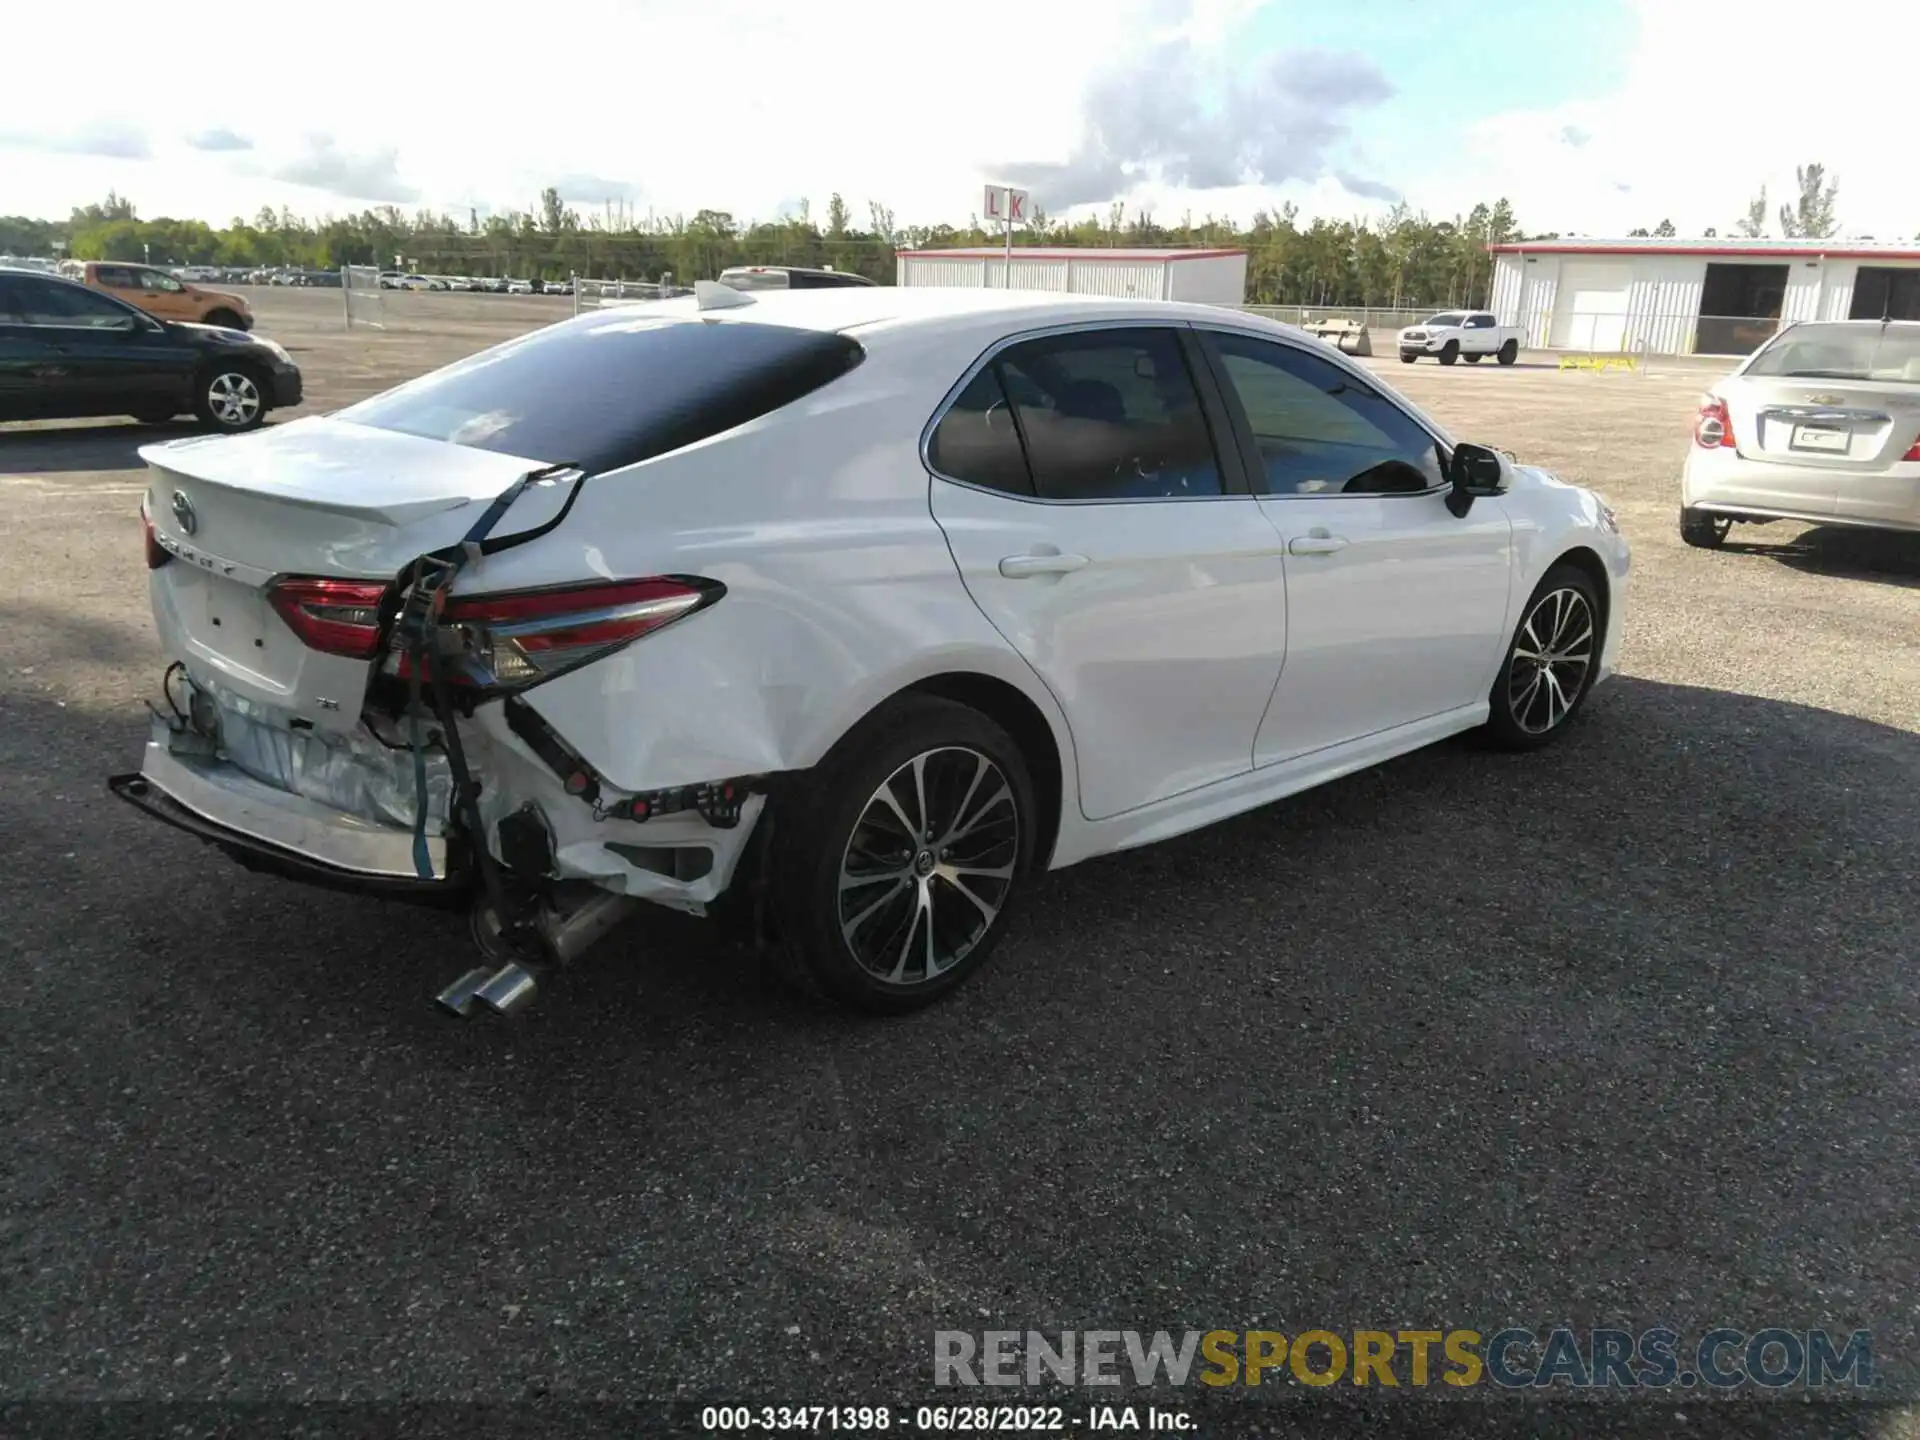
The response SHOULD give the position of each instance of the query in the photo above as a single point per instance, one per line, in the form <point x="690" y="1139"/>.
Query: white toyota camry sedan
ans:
<point x="1822" y="423"/>
<point x="853" y="608"/>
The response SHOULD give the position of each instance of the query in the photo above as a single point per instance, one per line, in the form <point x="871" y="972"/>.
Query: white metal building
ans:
<point x="1695" y="297"/>
<point x="1208" y="277"/>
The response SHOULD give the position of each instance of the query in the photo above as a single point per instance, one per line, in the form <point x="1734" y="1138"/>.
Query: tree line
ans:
<point x="1403" y="259"/>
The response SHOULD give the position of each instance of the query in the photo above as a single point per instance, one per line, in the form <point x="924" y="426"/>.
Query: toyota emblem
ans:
<point x="183" y="512"/>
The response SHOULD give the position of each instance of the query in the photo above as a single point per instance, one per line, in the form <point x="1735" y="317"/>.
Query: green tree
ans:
<point x="1811" y="216"/>
<point x="1754" y="223"/>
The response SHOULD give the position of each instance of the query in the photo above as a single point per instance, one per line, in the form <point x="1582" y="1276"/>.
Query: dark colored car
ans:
<point x="68" y="352"/>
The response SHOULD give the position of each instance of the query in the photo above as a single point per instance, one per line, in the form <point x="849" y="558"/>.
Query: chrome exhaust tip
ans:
<point x="457" y="998"/>
<point x="507" y="989"/>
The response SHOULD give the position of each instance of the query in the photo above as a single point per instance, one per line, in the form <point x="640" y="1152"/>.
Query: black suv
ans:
<point x="68" y="352"/>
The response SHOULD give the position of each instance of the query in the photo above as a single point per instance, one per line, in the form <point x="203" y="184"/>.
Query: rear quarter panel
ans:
<point x="840" y="588"/>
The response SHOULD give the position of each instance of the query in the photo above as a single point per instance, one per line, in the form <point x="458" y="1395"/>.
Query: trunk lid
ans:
<point x="1865" y="425"/>
<point x="316" y="497"/>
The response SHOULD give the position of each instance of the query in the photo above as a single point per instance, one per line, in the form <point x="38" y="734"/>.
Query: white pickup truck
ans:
<point x="1469" y="335"/>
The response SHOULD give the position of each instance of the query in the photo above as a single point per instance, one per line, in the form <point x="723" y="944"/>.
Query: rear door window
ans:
<point x="613" y="389"/>
<point x="1110" y="415"/>
<point x="976" y="441"/>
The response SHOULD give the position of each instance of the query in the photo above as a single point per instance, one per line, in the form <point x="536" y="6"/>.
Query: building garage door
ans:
<point x="1591" y="310"/>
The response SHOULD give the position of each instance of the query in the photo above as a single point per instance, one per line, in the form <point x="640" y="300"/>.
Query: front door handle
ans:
<point x="1021" y="567"/>
<point x="1318" y="542"/>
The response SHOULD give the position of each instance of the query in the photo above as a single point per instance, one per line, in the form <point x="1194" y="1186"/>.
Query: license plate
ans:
<point x="1813" y="437"/>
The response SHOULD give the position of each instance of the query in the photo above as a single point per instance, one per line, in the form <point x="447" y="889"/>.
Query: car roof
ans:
<point x="872" y="307"/>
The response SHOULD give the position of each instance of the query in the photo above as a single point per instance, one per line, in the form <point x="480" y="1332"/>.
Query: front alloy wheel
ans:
<point x="895" y="862"/>
<point x="1550" y="663"/>
<point x="231" y="400"/>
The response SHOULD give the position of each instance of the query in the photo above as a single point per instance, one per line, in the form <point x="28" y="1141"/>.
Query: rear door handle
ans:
<point x="1021" y="567"/>
<point x="1317" y="542"/>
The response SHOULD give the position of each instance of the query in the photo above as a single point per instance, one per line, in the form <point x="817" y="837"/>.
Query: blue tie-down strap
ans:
<point x="422" y="858"/>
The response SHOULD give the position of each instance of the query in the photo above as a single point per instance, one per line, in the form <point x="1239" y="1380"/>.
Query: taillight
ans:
<point x="157" y="554"/>
<point x="335" y="617"/>
<point x="514" y="640"/>
<point x="1914" y="453"/>
<point x="1713" y="427"/>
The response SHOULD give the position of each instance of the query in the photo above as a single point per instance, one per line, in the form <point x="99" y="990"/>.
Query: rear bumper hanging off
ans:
<point x="274" y="830"/>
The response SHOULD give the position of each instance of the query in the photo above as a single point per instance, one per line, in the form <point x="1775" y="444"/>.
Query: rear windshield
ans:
<point x="1843" y="352"/>
<point x="612" y="390"/>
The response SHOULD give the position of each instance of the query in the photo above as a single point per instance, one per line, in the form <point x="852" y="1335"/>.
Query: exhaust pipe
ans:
<point x="507" y="989"/>
<point x="457" y="998"/>
<point x="563" y="936"/>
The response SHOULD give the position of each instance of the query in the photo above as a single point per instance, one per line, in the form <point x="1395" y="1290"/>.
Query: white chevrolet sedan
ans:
<point x="858" y="606"/>
<point x="1822" y="424"/>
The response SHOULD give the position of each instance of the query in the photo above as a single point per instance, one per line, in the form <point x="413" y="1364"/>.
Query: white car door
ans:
<point x="1479" y="335"/>
<point x="1097" y="527"/>
<point x="1397" y="608"/>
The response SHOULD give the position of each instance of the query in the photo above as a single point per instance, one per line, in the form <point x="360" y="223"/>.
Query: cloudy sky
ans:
<point x="1592" y="118"/>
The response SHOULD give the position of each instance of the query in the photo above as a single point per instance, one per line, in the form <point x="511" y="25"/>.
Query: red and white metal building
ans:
<point x="1663" y="296"/>
<point x="1208" y="277"/>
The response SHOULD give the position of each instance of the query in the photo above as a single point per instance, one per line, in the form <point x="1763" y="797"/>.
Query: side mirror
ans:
<point x="1473" y="472"/>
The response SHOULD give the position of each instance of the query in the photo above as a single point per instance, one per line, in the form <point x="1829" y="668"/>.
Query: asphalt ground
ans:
<point x="1620" y="1034"/>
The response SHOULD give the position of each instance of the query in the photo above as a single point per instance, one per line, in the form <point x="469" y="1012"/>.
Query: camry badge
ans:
<point x="183" y="512"/>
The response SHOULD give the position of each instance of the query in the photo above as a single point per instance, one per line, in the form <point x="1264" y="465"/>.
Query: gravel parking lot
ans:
<point x="1619" y="1034"/>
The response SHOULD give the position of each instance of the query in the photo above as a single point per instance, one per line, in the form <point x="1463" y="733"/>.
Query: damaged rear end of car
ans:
<point x="351" y="694"/>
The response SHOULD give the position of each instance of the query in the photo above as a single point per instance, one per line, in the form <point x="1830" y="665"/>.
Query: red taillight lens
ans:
<point x="157" y="554"/>
<point x="335" y="617"/>
<point x="1713" y="427"/>
<point x="1914" y="453"/>
<point x="511" y="641"/>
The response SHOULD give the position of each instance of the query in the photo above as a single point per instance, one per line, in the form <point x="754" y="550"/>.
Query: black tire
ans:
<point x="837" y="823"/>
<point x="1704" y="530"/>
<point x="1473" y="359"/>
<point x="1509" y="352"/>
<point x="1522" y="714"/>
<point x="225" y="318"/>
<point x="1406" y="359"/>
<point x="220" y="398"/>
<point x="1449" y="352"/>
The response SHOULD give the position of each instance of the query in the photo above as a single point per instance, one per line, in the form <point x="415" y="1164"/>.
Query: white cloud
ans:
<point x="736" y="104"/>
<point x="742" y="105"/>
<point x="1720" y="96"/>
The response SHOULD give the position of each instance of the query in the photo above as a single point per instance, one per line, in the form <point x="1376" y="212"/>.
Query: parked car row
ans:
<point x="78" y="349"/>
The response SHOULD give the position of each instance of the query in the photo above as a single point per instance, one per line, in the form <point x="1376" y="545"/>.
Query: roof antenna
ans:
<point x="712" y="295"/>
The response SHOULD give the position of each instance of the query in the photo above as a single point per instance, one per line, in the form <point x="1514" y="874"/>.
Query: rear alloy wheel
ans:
<point x="1704" y="530"/>
<point x="1449" y="352"/>
<point x="1509" y="352"/>
<point x="1550" y="663"/>
<point x="230" y="399"/>
<point x="897" y="886"/>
